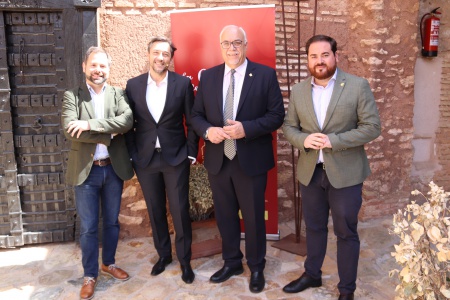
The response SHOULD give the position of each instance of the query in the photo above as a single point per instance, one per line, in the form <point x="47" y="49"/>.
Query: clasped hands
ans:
<point x="233" y="131"/>
<point x="317" y="141"/>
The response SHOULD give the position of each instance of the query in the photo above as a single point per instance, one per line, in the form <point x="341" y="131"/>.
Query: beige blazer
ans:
<point x="351" y="121"/>
<point x="118" y="118"/>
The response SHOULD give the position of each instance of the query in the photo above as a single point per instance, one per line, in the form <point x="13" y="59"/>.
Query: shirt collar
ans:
<point x="91" y="90"/>
<point x="240" y="70"/>
<point x="151" y="81"/>
<point x="333" y="78"/>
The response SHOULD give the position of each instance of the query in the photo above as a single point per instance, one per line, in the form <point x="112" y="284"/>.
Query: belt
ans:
<point x="320" y="165"/>
<point x="158" y="150"/>
<point x="102" y="162"/>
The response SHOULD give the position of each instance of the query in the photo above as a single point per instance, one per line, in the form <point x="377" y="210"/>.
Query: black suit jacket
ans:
<point x="260" y="110"/>
<point x="176" y="145"/>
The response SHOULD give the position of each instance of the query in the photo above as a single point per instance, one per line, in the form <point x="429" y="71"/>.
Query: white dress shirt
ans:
<point x="98" y="101"/>
<point x="156" y="99"/>
<point x="321" y="99"/>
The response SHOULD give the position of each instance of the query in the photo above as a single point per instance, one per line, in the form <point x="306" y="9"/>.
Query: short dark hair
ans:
<point x="95" y="49"/>
<point x="157" y="39"/>
<point x="321" y="38"/>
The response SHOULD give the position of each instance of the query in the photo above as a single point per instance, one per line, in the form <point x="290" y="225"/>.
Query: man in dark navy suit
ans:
<point x="161" y="101"/>
<point x="237" y="107"/>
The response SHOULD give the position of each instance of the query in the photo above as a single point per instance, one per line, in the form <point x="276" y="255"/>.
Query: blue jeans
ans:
<point x="105" y="187"/>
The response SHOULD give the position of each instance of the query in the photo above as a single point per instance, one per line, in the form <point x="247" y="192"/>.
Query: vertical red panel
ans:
<point x="195" y="33"/>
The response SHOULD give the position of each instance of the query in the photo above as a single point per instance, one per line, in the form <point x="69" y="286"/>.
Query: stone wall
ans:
<point x="377" y="39"/>
<point x="440" y="153"/>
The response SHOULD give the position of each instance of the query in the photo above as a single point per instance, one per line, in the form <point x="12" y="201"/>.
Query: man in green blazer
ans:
<point x="330" y="117"/>
<point x="94" y="118"/>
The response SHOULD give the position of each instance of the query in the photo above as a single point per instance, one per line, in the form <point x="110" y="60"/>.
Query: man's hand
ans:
<point x="317" y="141"/>
<point x="216" y="135"/>
<point x="77" y="126"/>
<point x="235" y="129"/>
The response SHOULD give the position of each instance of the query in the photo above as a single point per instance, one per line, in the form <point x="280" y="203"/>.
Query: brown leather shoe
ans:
<point x="115" y="272"/>
<point x="88" y="288"/>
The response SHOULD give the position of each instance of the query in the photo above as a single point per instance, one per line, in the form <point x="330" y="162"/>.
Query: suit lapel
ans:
<point x="309" y="104"/>
<point x="86" y="98"/>
<point x="171" y="86"/>
<point x="246" y="85"/>
<point x="337" y="91"/>
<point x="219" y="91"/>
<point x="107" y="106"/>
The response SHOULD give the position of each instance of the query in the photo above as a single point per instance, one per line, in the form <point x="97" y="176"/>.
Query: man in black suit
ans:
<point x="237" y="107"/>
<point x="161" y="101"/>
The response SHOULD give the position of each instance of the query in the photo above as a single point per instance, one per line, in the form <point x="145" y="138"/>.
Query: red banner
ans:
<point x="195" y="33"/>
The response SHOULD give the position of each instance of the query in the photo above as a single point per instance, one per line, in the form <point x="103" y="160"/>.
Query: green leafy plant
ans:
<point x="424" y="249"/>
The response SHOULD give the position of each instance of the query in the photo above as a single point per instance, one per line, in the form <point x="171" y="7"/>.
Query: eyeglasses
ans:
<point x="235" y="43"/>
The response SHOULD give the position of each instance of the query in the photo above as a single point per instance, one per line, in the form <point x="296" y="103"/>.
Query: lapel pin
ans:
<point x="250" y="74"/>
<point x="342" y="84"/>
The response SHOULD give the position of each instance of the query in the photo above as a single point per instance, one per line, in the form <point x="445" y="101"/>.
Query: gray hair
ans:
<point x="239" y="28"/>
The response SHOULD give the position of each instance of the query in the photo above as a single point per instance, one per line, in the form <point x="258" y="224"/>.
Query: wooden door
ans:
<point x="41" y="46"/>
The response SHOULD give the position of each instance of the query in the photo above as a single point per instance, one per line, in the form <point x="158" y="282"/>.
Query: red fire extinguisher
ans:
<point x="429" y="33"/>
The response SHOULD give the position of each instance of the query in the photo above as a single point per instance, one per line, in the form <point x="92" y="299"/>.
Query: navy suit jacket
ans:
<point x="260" y="110"/>
<point x="176" y="145"/>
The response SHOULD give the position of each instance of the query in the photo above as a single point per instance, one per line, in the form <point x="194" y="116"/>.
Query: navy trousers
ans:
<point x="318" y="199"/>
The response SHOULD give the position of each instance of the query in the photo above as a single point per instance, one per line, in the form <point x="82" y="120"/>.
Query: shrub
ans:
<point x="424" y="250"/>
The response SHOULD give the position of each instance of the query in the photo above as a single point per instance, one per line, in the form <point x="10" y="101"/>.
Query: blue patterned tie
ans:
<point x="229" y="146"/>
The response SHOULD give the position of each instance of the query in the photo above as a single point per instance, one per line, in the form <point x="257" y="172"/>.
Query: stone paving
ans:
<point x="53" y="271"/>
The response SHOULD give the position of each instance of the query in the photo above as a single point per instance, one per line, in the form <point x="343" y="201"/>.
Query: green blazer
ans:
<point x="351" y="121"/>
<point x="118" y="118"/>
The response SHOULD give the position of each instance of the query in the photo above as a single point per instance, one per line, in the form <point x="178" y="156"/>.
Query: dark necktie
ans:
<point x="229" y="146"/>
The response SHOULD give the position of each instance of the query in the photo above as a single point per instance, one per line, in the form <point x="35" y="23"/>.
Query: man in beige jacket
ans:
<point x="330" y="117"/>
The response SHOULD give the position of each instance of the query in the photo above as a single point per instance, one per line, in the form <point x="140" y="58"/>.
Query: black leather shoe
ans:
<point x="346" y="297"/>
<point x="225" y="273"/>
<point x="160" y="265"/>
<point x="305" y="281"/>
<point x="187" y="274"/>
<point x="257" y="282"/>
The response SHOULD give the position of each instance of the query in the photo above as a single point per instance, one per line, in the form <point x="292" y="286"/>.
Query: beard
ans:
<point x="327" y="72"/>
<point x="99" y="80"/>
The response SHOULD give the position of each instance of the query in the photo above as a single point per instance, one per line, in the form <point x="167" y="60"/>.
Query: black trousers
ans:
<point x="157" y="180"/>
<point x="233" y="190"/>
<point x="318" y="199"/>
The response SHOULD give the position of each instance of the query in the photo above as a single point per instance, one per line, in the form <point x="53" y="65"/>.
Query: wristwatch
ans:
<point x="205" y="136"/>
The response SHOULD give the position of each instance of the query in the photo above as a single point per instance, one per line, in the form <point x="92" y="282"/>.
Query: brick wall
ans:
<point x="377" y="39"/>
<point x="442" y="142"/>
